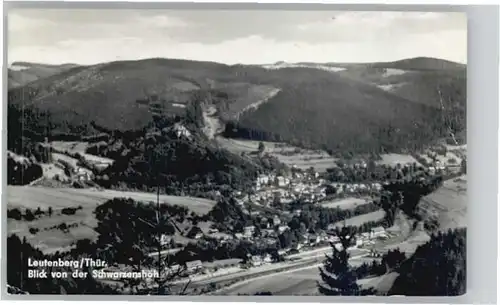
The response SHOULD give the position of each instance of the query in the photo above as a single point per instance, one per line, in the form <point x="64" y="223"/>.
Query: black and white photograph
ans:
<point x="236" y="152"/>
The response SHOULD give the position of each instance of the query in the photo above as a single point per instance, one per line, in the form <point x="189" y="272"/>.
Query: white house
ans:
<point x="377" y="232"/>
<point x="338" y="246"/>
<point x="276" y="221"/>
<point x="193" y="266"/>
<point x="173" y="269"/>
<point x="263" y="179"/>
<point x="248" y="231"/>
<point x="282" y="252"/>
<point x="282" y="229"/>
<point x="282" y="181"/>
<point x="165" y="239"/>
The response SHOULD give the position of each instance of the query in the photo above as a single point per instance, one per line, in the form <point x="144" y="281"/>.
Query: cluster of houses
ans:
<point x="305" y="186"/>
<point x="282" y="181"/>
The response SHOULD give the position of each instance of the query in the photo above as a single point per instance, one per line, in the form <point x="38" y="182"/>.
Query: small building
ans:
<point x="282" y="252"/>
<point x="314" y="239"/>
<point x="173" y="269"/>
<point x="213" y="230"/>
<point x="256" y="261"/>
<point x="282" y="229"/>
<point x="248" y="231"/>
<point x="276" y="221"/>
<point x="194" y="266"/>
<point x="268" y="232"/>
<point x="263" y="179"/>
<point x="377" y="232"/>
<point x="165" y="239"/>
<point x="282" y="181"/>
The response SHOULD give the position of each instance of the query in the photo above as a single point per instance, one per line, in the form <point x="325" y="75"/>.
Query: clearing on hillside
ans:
<point x="287" y="154"/>
<point x="394" y="159"/>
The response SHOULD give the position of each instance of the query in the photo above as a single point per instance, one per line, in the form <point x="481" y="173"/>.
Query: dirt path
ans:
<point x="213" y="125"/>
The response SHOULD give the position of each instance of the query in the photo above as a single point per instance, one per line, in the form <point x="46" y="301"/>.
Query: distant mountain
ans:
<point x="22" y="73"/>
<point x="421" y="64"/>
<point x="307" y="104"/>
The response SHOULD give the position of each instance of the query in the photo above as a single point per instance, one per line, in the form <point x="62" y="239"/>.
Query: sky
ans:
<point x="56" y="36"/>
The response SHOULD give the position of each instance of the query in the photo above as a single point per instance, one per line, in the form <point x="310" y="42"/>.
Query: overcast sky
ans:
<point x="248" y="37"/>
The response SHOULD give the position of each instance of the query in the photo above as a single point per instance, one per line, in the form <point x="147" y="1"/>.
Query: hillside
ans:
<point x="339" y="114"/>
<point x="421" y="64"/>
<point x="306" y="106"/>
<point x="22" y="73"/>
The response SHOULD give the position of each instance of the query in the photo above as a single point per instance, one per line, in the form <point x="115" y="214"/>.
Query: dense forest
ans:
<point x="313" y="108"/>
<point x="188" y="164"/>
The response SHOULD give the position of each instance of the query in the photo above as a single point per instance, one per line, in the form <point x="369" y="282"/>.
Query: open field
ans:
<point x="394" y="159"/>
<point x="344" y="203"/>
<point x="448" y="203"/>
<point x="50" y="239"/>
<point x="288" y="154"/>
<point x="361" y="219"/>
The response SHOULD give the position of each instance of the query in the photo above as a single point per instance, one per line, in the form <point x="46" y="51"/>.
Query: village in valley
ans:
<point x="277" y="197"/>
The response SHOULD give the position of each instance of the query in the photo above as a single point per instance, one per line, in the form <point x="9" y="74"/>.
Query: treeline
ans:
<point x="438" y="268"/>
<point x="371" y="173"/>
<point x="406" y="195"/>
<point x="132" y="228"/>
<point x="30" y="215"/>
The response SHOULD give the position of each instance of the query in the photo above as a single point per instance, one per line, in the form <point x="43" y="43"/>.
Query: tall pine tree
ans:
<point x="338" y="277"/>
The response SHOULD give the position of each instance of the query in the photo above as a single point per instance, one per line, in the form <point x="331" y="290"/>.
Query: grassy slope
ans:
<point x="448" y="203"/>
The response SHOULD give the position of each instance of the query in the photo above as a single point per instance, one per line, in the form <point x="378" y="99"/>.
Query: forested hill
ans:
<point x="343" y="110"/>
<point x="22" y="73"/>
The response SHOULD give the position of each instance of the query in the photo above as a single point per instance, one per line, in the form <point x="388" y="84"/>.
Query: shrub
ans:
<point x="68" y="211"/>
<point x="14" y="214"/>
